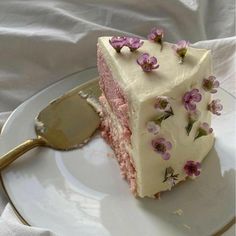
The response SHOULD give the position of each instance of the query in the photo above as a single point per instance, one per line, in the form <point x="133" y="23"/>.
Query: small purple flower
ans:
<point x="161" y="146"/>
<point x="118" y="42"/>
<point x="164" y="109"/>
<point x="190" y="98"/>
<point x="156" y="35"/>
<point x="170" y="176"/>
<point x="152" y="127"/>
<point x="204" y="129"/>
<point x="162" y="103"/>
<point x="192" y="168"/>
<point x="210" y="84"/>
<point x="147" y="63"/>
<point x="193" y="116"/>
<point x="133" y="43"/>
<point x="215" y="107"/>
<point x="181" y="49"/>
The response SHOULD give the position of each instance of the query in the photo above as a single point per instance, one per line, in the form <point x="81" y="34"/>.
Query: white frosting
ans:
<point x="170" y="79"/>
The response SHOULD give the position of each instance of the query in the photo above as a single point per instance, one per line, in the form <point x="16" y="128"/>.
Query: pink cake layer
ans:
<point x="113" y="93"/>
<point x="114" y="97"/>
<point x="115" y="139"/>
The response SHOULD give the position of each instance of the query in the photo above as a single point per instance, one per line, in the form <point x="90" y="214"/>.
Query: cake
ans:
<point x="156" y="109"/>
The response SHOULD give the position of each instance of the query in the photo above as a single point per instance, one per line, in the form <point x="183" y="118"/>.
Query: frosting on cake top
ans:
<point x="170" y="73"/>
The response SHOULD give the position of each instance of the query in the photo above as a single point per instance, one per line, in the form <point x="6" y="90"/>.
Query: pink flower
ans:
<point x="204" y="129"/>
<point x="170" y="176"/>
<point x="162" y="103"/>
<point x="147" y="63"/>
<point x="133" y="43"/>
<point x="161" y="146"/>
<point x="118" y="42"/>
<point x="192" y="168"/>
<point x="152" y="127"/>
<point x="181" y="49"/>
<point x="164" y="109"/>
<point x="156" y="35"/>
<point x="193" y="116"/>
<point x="215" y="107"/>
<point x="190" y="98"/>
<point x="210" y="84"/>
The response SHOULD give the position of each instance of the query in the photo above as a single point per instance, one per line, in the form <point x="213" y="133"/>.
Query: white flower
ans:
<point x="152" y="127"/>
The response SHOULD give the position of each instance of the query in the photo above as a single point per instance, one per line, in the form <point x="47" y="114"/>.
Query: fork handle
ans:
<point x="16" y="152"/>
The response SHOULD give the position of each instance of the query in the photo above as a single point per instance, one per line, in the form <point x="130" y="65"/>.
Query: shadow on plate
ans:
<point x="207" y="204"/>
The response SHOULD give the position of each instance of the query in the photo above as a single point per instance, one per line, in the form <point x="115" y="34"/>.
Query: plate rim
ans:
<point x="19" y="216"/>
<point x="219" y="232"/>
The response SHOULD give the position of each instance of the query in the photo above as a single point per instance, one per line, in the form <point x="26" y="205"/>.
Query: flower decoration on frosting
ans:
<point x="133" y="43"/>
<point x="210" y="84"/>
<point x="163" y="104"/>
<point x="152" y="127"/>
<point x="157" y="35"/>
<point x="193" y="116"/>
<point x="161" y="146"/>
<point x="147" y="63"/>
<point x="203" y="130"/>
<point x="163" y="107"/>
<point x="215" y="107"/>
<point x="181" y="49"/>
<point x="191" y="98"/>
<point x="170" y="176"/>
<point x="164" y="110"/>
<point x="192" y="168"/>
<point x="118" y="42"/>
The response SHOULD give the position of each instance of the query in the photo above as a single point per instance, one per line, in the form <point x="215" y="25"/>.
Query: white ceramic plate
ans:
<point x="81" y="192"/>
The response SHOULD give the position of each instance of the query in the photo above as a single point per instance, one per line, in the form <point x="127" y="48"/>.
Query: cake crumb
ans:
<point x="178" y="212"/>
<point x="40" y="127"/>
<point x="187" y="226"/>
<point x="83" y="94"/>
<point x="157" y="196"/>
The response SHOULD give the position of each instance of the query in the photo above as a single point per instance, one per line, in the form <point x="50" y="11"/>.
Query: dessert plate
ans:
<point x="80" y="192"/>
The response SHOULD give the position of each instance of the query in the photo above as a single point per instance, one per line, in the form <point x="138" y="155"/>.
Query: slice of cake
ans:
<point x="156" y="109"/>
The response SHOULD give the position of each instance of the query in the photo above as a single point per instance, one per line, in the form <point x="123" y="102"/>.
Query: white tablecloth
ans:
<point x="43" y="40"/>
